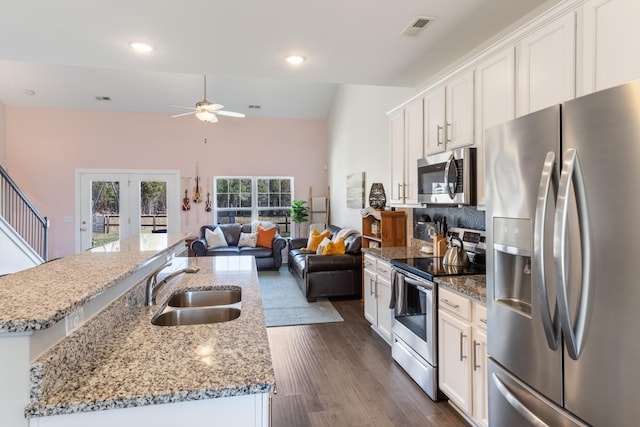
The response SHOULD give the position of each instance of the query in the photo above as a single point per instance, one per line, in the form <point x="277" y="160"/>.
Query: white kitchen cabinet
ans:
<point x="454" y="370"/>
<point x="434" y="121"/>
<point x="546" y="66"/>
<point x="448" y="115"/>
<point x="462" y="353"/>
<point x="495" y="103"/>
<point x="385" y="314"/>
<point x="370" y="302"/>
<point x="377" y="294"/>
<point x="396" y="154"/>
<point x="480" y="394"/>
<point x="407" y="142"/>
<point x="611" y="42"/>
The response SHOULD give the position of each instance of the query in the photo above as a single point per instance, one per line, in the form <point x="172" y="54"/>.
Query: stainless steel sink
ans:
<point x="196" y="316"/>
<point x="206" y="298"/>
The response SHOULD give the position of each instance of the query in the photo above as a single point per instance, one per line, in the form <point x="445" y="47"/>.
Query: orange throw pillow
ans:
<point x="334" y="248"/>
<point x="315" y="238"/>
<point x="265" y="236"/>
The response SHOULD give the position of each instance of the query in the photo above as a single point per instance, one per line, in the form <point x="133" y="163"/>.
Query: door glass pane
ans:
<point x="105" y="212"/>
<point x="153" y="207"/>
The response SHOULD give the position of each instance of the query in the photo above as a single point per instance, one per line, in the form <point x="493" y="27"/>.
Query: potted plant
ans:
<point x="299" y="214"/>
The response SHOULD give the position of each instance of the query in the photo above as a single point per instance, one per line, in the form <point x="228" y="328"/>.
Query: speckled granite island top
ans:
<point x="138" y="363"/>
<point x="39" y="297"/>
<point x="472" y="286"/>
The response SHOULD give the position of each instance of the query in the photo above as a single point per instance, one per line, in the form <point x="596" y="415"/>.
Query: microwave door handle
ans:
<point x="574" y="334"/>
<point x="548" y="181"/>
<point x="452" y="194"/>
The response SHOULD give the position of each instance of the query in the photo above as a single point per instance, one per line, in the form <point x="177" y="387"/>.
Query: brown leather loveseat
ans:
<point x="327" y="275"/>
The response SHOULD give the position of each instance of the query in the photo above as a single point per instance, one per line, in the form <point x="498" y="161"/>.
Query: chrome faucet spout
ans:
<point x="153" y="287"/>
<point x="151" y="282"/>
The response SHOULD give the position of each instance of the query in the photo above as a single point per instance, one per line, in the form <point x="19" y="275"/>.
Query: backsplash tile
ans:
<point x="465" y="217"/>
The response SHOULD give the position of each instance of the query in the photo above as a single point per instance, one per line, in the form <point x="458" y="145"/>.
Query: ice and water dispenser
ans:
<point x="512" y="246"/>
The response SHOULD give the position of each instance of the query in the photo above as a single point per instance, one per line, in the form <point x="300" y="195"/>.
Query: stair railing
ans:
<point x="20" y="213"/>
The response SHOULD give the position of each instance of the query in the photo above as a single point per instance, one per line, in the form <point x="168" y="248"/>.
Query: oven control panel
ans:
<point x="472" y="240"/>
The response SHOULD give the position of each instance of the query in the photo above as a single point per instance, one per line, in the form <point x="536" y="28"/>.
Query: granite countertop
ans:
<point x="471" y="286"/>
<point x="39" y="297"/>
<point x="141" y="364"/>
<point x="396" y="252"/>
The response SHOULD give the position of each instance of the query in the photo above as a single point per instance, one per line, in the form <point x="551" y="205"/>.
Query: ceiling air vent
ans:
<point x="256" y="107"/>
<point x="103" y="98"/>
<point x="417" y="26"/>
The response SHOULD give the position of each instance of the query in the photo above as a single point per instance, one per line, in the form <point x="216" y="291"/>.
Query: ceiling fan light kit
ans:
<point x="207" y="111"/>
<point x="206" y="116"/>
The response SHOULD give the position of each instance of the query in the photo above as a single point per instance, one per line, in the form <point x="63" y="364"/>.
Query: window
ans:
<point x="246" y="199"/>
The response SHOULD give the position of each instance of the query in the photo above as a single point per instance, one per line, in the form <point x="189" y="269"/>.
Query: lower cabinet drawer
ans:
<point x="454" y="303"/>
<point x="480" y="315"/>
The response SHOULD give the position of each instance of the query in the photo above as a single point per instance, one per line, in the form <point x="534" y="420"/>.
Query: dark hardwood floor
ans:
<point x="342" y="374"/>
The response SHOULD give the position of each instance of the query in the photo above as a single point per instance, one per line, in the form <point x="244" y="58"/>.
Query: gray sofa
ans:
<point x="266" y="258"/>
<point x="328" y="275"/>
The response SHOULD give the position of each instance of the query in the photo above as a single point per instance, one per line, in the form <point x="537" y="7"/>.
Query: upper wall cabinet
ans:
<point x="611" y="43"/>
<point x="546" y="66"/>
<point x="407" y="141"/>
<point x="448" y="115"/>
<point x="495" y="103"/>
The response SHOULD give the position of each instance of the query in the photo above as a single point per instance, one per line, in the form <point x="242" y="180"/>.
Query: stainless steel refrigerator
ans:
<point x="563" y="263"/>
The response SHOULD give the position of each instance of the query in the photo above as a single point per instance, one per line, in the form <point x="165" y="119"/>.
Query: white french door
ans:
<point x="116" y="204"/>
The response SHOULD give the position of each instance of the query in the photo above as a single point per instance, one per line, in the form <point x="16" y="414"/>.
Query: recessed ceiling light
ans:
<point x="141" y="47"/>
<point x="295" y="59"/>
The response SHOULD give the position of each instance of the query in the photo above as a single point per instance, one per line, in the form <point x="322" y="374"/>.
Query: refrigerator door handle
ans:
<point x="548" y="181"/>
<point x="526" y="413"/>
<point x="574" y="333"/>
<point x="452" y="193"/>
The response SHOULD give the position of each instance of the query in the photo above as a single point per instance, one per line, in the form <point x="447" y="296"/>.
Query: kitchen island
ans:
<point x="118" y="368"/>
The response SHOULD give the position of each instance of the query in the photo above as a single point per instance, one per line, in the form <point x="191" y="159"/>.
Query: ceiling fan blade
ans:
<point x="229" y="113"/>
<point x="182" y="106"/>
<point x="185" y="114"/>
<point x="212" y="107"/>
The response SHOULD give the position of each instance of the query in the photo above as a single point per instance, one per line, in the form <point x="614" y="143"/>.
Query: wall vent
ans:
<point x="103" y="98"/>
<point x="417" y="26"/>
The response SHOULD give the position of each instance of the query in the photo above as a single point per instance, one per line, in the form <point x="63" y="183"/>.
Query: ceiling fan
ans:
<point x="207" y="111"/>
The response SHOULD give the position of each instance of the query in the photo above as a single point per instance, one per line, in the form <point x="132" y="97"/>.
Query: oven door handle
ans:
<point x="425" y="285"/>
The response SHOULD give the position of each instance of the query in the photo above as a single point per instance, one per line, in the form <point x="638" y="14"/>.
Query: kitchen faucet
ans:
<point x="153" y="287"/>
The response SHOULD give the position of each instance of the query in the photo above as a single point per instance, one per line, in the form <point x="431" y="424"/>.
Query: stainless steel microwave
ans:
<point x="448" y="178"/>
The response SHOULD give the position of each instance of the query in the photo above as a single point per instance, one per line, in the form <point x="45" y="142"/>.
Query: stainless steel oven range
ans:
<point x="414" y="300"/>
<point x="414" y="329"/>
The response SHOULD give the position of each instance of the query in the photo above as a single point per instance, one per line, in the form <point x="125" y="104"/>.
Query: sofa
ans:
<point x="327" y="275"/>
<point x="267" y="258"/>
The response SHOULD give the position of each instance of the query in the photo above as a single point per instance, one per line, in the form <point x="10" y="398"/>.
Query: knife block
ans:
<point x="439" y="245"/>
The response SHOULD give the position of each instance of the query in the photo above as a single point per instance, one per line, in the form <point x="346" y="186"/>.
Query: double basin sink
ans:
<point x="200" y="307"/>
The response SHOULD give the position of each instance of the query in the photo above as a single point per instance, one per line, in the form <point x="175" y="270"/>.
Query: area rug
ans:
<point x="285" y="305"/>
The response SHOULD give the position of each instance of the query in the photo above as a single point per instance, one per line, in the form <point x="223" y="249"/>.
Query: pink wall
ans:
<point x="46" y="146"/>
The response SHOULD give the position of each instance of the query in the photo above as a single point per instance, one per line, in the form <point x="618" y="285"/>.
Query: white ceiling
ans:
<point x="70" y="51"/>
